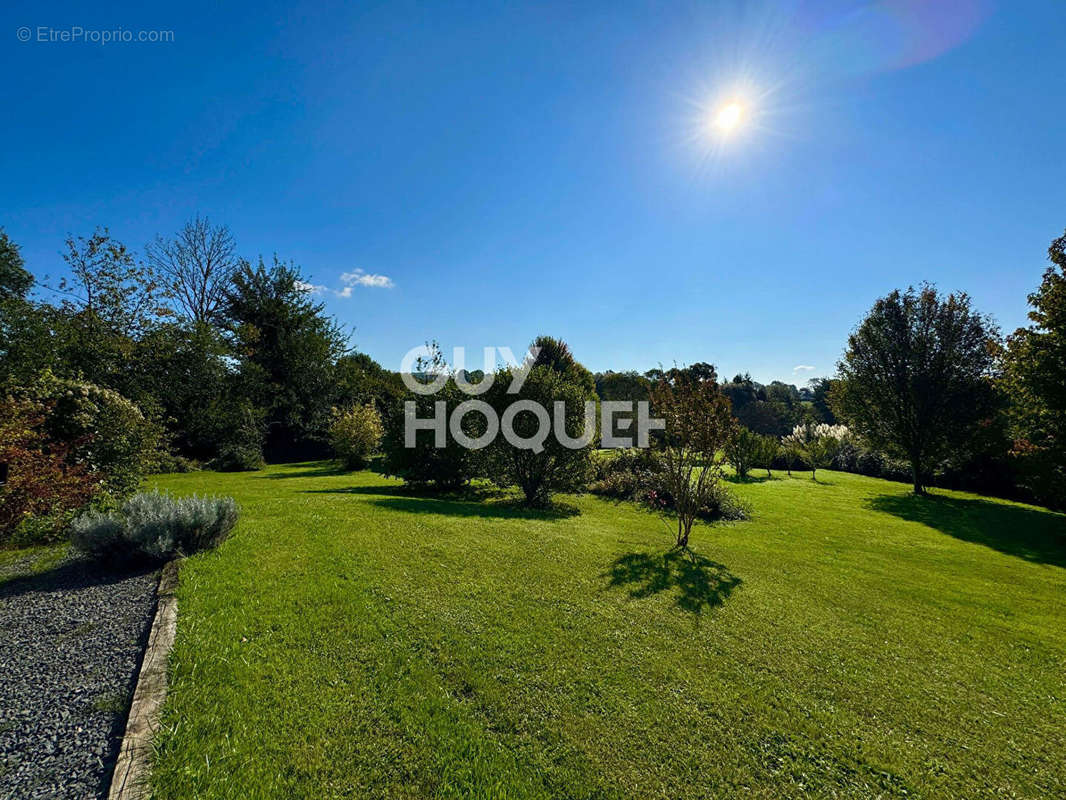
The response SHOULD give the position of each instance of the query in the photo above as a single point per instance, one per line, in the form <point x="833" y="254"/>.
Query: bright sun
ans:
<point x="729" y="116"/>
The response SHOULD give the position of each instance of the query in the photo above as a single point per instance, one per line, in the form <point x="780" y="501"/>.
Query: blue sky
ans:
<point x="525" y="168"/>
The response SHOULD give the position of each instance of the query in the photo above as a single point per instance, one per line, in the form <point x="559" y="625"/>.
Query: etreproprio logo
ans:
<point x="548" y="422"/>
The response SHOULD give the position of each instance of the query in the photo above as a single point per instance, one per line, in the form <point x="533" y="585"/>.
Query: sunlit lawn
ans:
<point x="352" y="640"/>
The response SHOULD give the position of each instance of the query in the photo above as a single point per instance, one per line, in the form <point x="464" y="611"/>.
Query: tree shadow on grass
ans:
<point x="309" y="469"/>
<point x="469" y="502"/>
<point x="698" y="583"/>
<point x="1030" y="533"/>
<point x="750" y="478"/>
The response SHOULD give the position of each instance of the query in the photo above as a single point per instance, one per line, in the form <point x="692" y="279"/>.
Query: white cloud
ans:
<point x="803" y="368"/>
<point x="350" y="280"/>
<point x="363" y="278"/>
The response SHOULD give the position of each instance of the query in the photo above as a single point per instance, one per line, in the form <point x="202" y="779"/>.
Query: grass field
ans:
<point x="355" y="641"/>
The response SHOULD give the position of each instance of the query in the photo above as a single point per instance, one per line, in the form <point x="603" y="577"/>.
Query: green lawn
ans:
<point x="354" y="641"/>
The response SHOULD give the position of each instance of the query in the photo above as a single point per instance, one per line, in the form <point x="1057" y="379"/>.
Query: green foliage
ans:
<point x="287" y="349"/>
<point x="444" y="468"/>
<point x="15" y="281"/>
<point x="355" y="435"/>
<point x="105" y="431"/>
<point x="1035" y="380"/>
<point x="155" y="526"/>
<point x="241" y="447"/>
<point x="766" y="453"/>
<point x="742" y="451"/>
<point x="555" y="467"/>
<point x="916" y="380"/>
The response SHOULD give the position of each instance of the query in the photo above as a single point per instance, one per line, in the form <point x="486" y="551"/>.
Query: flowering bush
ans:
<point x="816" y="443"/>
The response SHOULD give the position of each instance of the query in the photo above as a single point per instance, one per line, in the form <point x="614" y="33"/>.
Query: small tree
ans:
<point x="699" y="426"/>
<point x="355" y="434"/>
<point x="742" y="452"/>
<point x="792" y="451"/>
<point x="555" y="467"/>
<point x="767" y="452"/>
<point x="818" y="444"/>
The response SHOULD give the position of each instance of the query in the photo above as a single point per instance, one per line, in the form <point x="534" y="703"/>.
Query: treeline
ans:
<point x="193" y="355"/>
<point x="187" y="355"/>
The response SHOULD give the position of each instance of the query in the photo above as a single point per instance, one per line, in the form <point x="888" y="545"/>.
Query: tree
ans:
<point x="742" y="452"/>
<point x="555" y="354"/>
<point x="767" y="451"/>
<point x="817" y="443"/>
<point x="197" y="265"/>
<point x="108" y="302"/>
<point x="820" y="389"/>
<point x="1035" y="380"/>
<point x="15" y="281"/>
<point x="917" y="377"/>
<point x="549" y="466"/>
<point x="699" y="426"/>
<point x="287" y="348"/>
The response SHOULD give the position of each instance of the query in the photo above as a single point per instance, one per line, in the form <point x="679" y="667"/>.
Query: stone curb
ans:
<point x="130" y="779"/>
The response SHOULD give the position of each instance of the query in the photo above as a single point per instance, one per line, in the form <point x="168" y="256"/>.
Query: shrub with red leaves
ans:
<point x="44" y="490"/>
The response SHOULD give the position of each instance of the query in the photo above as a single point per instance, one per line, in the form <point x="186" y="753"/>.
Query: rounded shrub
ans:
<point x="155" y="526"/>
<point x="355" y="434"/>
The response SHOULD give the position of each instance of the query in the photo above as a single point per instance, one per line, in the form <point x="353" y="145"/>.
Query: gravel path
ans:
<point x="71" y="641"/>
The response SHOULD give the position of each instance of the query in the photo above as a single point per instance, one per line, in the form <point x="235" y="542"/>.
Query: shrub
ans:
<point x="102" y="430"/>
<point x="44" y="489"/>
<point x="355" y="434"/>
<point x="555" y="467"/>
<point x="639" y="475"/>
<point x="445" y="468"/>
<point x="156" y="527"/>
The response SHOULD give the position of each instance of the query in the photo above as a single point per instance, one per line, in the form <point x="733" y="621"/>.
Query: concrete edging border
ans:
<point x="130" y="779"/>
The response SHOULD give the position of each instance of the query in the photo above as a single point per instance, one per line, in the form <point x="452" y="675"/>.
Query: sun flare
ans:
<point x="728" y="117"/>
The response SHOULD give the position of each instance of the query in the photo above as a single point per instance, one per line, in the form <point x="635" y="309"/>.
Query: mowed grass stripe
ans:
<point x="353" y="640"/>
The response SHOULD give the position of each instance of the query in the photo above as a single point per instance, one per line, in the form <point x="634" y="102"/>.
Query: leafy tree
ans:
<point x="108" y="302"/>
<point x="1035" y="379"/>
<point x="15" y="281"/>
<point x="820" y="389"/>
<point x="448" y="467"/>
<point x="555" y="354"/>
<point x="916" y="379"/>
<point x="742" y="452"/>
<point x="186" y="368"/>
<point x="766" y="417"/>
<point x="197" y="266"/>
<point x="287" y="348"/>
<point x="699" y="426"/>
<point x="767" y="451"/>
<point x="551" y="466"/>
